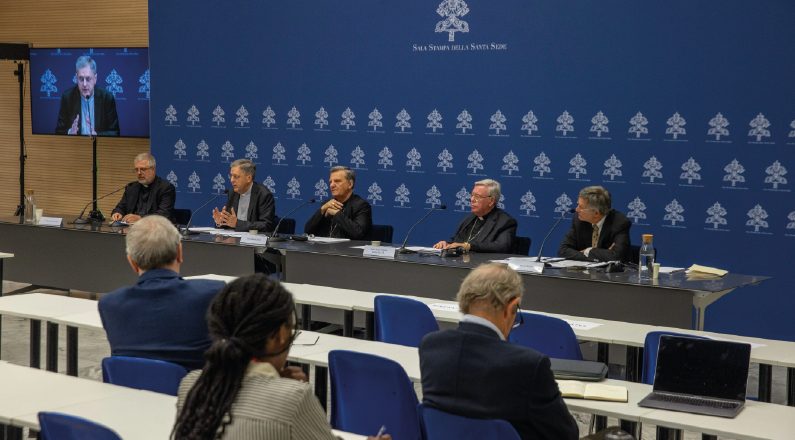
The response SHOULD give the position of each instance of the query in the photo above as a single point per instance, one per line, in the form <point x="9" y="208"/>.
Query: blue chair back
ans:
<point x="400" y="320"/>
<point x="521" y="245"/>
<point x="551" y="336"/>
<point x="143" y="374"/>
<point x="58" y="426"/>
<point x="382" y="233"/>
<point x="369" y="391"/>
<point x="650" y="347"/>
<point x="181" y="216"/>
<point x="287" y="226"/>
<point x="440" y="425"/>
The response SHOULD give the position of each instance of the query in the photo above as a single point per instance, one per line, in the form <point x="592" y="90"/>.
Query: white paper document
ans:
<point x="444" y="307"/>
<point x="582" y="325"/>
<point x="328" y="240"/>
<point x="424" y="250"/>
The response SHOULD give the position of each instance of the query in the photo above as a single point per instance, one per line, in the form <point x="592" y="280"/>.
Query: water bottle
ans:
<point x="646" y="260"/>
<point x="30" y="207"/>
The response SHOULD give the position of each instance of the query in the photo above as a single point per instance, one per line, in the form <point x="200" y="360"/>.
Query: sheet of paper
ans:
<point x="668" y="269"/>
<point x="582" y="325"/>
<point x="304" y="338"/>
<point x="425" y="250"/>
<point x="328" y="240"/>
<point x="444" y="307"/>
<point x="206" y="229"/>
<point x="574" y="263"/>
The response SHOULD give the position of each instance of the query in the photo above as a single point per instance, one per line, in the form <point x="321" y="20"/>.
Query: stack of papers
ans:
<point x="708" y="270"/>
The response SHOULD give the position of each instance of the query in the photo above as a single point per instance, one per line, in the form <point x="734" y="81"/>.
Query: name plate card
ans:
<point x="50" y="221"/>
<point x="254" y="239"/>
<point x="527" y="266"/>
<point x="380" y="252"/>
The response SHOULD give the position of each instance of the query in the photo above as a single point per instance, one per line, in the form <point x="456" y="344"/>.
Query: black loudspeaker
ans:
<point x="14" y="51"/>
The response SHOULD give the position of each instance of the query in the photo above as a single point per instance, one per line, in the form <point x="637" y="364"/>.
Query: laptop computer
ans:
<point x="700" y="376"/>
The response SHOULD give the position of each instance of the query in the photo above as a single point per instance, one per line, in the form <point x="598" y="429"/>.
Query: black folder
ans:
<point x="588" y="371"/>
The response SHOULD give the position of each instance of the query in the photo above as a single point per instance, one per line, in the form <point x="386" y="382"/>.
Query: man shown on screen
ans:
<point x="85" y="108"/>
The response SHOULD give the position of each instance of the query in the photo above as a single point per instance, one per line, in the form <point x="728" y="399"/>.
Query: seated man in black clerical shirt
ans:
<point x="487" y="228"/>
<point x="598" y="232"/>
<point x="87" y="109"/>
<point x="250" y="205"/>
<point x="346" y="215"/>
<point x="148" y="195"/>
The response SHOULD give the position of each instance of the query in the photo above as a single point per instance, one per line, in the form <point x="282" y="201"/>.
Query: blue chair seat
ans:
<point x="441" y="425"/>
<point x="58" y="426"/>
<point x="368" y="392"/>
<point x="548" y="335"/>
<point x="400" y="320"/>
<point x="143" y="374"/>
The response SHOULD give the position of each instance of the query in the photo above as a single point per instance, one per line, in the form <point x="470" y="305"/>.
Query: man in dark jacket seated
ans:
<point x="487" y="228"/>
<point x="149" y="194"/>
<point x="598" y="232"/>
<point x="345" y="215"/>
<point x="162" y="316"/>
<point x="475" y="372"/>
<point x="250" y="205"/>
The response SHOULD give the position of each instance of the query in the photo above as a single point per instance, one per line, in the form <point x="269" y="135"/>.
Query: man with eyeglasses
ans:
<point x="598" y="232"/>
<point x="148" y="195"/>
<point x="487" y="228"/>
<point x="475" y="372"/>
<point x="87" y="109"/>
<point x="250" y="205"/>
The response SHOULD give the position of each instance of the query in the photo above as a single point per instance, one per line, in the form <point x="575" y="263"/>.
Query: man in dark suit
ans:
<point x="148" y="195"/>
<point x="163" y="315"/>
<point x="475" y="372"/>
<point x="487" y="228"/>
<point x="345" y="215"/>
<point x="598" y="232"/>
<point x="250" y="205"/>
<point x="85" y="108"/>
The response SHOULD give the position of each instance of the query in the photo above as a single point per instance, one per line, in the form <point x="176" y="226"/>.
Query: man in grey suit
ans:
<point x="250" y="205"/>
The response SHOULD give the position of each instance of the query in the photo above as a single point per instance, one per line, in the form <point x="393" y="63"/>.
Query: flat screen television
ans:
<point x="90" y="91"/>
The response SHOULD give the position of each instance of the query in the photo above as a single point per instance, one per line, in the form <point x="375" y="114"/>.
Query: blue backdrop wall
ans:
<point x="683" y="110"/>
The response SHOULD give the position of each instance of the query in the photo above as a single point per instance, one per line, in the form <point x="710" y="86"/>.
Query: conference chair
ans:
<point x="59" y="426"/>
<point x="521" y="245"/>
<point x="400" y="320"/>
<point x="368" y="392"/>
<point x="440" y="425"/>
<point x="181" y="216"/>
<point x="546" y="334"/>
<point x="143" y="374"/>
<point x="382" y="233"/>
<point x="287" y="226"/>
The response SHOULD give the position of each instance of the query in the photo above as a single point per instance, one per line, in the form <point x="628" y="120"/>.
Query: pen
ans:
<point x="381" y="432"/>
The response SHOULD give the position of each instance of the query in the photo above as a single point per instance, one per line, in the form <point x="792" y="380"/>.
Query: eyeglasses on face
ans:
<point x="478" y="196"/>
<point x="519" y="318"/>
<point x="141" y="170"/>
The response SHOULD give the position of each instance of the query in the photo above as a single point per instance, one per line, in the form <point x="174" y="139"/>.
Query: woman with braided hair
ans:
<point x="244" y="391"/>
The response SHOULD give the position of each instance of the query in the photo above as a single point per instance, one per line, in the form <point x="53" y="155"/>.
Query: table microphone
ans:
<point x="80" y="220"/>
<point x="402" y="249"/>
<point x="273" y="236"/>
<point x="544" y="241"/>
<point x="187" y="230"/>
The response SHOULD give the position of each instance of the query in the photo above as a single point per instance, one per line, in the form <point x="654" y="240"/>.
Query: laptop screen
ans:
<point x="702" y="367"/>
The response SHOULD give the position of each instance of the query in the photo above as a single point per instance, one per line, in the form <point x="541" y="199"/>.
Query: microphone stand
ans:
<point x="544" y="241"/>
<point x="273" y="237"/>
<point x="95" y="215"/>
<point x="402" y="249"/>
<point x="187" y="231"/>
